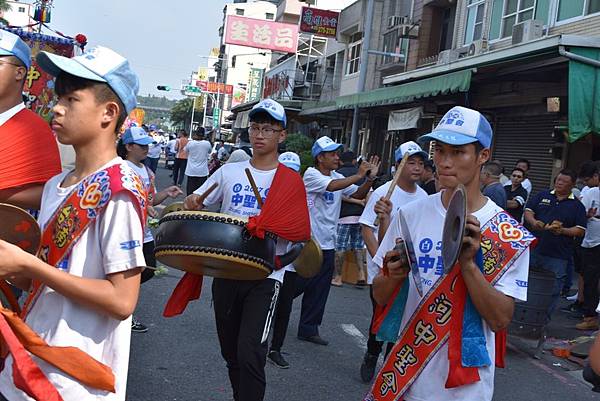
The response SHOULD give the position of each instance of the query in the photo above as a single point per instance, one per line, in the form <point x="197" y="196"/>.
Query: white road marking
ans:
<point x="356" y="334"/>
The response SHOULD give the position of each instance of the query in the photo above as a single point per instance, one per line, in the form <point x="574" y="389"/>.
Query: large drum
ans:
<point x="217" y="245"/>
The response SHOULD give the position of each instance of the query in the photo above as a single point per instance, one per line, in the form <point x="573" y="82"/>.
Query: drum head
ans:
<point x="308" y="263"/>
<point x="19" y="228"/>
<point x="173" y="207"/>
<point x="454" y="228"/>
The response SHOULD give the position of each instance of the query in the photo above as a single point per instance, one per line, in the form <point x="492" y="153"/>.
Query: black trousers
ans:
<point x="591" y="278"/>
<point x="243" y="313"/>
<point x="193" y="183"/>
<point x="316" y="292"/>
<point x="284" y="309"/>
<point x="373" y="346"/>
<point x="148" y="249"/>
<point x="179" y="171"/>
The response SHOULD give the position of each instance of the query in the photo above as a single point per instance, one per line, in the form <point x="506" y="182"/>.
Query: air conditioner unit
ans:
<point x="477" y="47"/>
<point x="527" y="30"/>
<point x="408" y="31"/>
<point x="396" y="20"/>
<point x="447" y="56"/>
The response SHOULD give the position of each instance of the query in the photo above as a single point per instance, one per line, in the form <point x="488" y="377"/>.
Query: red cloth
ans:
<point x="27" y="375"/>
<point x="29" y="150"/>
<point x="188" y="289"/>
<point x="284" y="213"/>
<point x="500" y="348"/>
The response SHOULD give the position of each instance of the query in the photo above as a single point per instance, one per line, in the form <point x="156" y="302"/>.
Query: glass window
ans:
<point x="353" y="64"/>
<point x="516" y="11"/>
<point x="269" y="16"/>
<point x="569" y="9"/>
<point x="392" y="43"/>
<point x="593" y="6"/>
<point x="239" y="11"/>
<point x="475" y="12"/>
<point x="496" y="19"/>
<point x="542" y="10"/>
<point x="21" y="9"/>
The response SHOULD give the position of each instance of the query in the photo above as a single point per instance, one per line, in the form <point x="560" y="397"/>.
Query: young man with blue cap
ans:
<point x="30" y="151"/>
<point x="325" y="188"/>
<point x="406" y="191"/>
<point x="244" y="308"/>
<point x="85" y="285"/>
<point x="481" y="287"/>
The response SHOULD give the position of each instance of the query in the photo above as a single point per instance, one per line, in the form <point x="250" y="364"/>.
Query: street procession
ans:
<point x="251" y="200"/>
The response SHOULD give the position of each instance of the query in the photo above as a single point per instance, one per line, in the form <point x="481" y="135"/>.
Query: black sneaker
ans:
<point x="137" y="327"/>
<point x="367" y="368"/>
<point x="276" y="359"/>
<point x="575" y="307"/>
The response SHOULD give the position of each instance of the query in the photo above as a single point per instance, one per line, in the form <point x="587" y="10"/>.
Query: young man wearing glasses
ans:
<point x="516" y="195"/>
<point x="244" y="309"/>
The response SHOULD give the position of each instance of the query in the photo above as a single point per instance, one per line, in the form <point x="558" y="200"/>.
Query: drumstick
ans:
<point x="393" y="183"/>
<point x="254" y="187"/>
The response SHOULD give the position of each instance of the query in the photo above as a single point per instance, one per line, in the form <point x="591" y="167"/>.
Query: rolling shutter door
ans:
<point x="526" y="137"/>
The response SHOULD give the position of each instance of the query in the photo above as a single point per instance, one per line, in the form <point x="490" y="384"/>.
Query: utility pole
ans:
<point x="362" y="76"/>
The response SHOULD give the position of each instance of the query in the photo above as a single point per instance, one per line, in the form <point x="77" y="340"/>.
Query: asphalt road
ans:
<point x="179" y="358"/>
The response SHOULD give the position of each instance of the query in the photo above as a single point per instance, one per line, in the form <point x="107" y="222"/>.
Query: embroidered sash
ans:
<point x="439" y="315"/>
<point x="85" y="203"/>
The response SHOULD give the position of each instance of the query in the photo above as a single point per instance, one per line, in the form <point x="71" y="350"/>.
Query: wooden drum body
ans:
<point x="213" y="244"/>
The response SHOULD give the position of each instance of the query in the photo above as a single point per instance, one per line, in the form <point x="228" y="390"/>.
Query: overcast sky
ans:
<point x="163" y="40"/>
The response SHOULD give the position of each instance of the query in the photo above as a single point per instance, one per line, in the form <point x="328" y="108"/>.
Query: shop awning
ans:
<point x="309" y="108"/>
<point x="584" y="94"/>
<point x="440" y="85"/>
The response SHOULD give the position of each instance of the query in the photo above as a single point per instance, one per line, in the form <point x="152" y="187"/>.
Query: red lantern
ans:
<point x="81" y="40"/>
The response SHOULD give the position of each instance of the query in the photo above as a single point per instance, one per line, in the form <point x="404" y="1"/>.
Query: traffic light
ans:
<point x="163" y="88"/>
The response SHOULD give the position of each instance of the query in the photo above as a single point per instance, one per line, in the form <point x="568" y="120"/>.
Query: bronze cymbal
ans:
<point x="454" y="228"/>
<point x="173" y="207"/>
<point x="308" y="263"/>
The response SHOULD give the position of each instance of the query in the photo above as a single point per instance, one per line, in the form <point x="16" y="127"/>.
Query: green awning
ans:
<point x="448" y="83"/>
<point x="309" y="107"/>
<point x="584" y="95"/>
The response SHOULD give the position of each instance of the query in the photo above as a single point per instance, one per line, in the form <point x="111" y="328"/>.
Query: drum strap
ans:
<point x="71" y="219"/>
<point x="440" y="317"/>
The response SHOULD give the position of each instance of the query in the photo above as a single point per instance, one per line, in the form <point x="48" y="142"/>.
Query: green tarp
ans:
<point x="584" y="95"/>
<point x="449" y="83"/>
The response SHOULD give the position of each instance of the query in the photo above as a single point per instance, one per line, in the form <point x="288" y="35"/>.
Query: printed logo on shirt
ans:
<point x="243" y="201"/>
<point x="431" y="259"/>
<point x="328" y="197"/>
<point x="521" y="283"/>
<point x="129" y="245"/>
<point x="64" y="264"/>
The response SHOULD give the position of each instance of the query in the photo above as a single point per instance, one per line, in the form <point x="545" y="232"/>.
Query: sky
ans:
<point x="164" y="41"/>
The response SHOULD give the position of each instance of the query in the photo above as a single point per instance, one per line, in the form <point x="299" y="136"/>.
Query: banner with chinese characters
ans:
<point x="215" y="87"/>
<point x="255" y="84"/>
<point x="202" y="74"/>
<point x="39" y="85"/>
<point x="279" y="80"/>
<point x="239" y="96"/>
<point x="319" y="22"/>
<point x="261" y="34"/>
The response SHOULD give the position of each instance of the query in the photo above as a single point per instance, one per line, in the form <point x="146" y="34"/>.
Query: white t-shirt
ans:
<point x="583" y="191"/>
<point x="110" y="244"/>
<point x="143" y="173"/>
<point x="236" y="197"/>
<point x="426" y="219"/>
<point x="154" y="150"/>
<point x="592" y="232"/>
<point x="171" y="145"/>
<point x="399" y="198"/>
<point x="198" y="154"/>
<point x="324" y="206"/>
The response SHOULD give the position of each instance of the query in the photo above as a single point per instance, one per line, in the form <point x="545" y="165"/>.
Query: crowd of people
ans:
<point x="444" y="326"/>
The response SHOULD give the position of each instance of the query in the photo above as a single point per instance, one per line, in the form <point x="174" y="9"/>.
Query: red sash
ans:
<point x="439" y="316"/>
<point x="64" y="228"/>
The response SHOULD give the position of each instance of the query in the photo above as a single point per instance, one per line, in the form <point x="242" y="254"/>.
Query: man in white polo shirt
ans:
<point x="324" y="189"/>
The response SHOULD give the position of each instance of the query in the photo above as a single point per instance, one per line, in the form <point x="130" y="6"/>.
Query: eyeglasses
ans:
<point x="8" y="62"/>
<point x="267" y="132"/>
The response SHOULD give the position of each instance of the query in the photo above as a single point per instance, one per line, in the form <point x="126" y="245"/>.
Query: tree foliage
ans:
<point x="181" y="113"/>
<point x="301" y="145"/>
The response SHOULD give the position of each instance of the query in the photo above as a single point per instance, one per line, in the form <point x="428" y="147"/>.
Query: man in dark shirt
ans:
<point x="556" y="217"/>
<point x="428" y="178"/>
<point x="490" y="178"/>
<point x="516" y="195"/>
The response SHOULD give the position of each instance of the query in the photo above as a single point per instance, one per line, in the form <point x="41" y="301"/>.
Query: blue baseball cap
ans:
<point x="101" y="64"/>
<point x="291" y="160"/>
<point x="137" y="135"/>
<point x="461" y="126"/>
<point x="411" y="148"/>
<point x="13" y="45"/>
<point x="324" y="144"/>
<point x="271" y="107"/>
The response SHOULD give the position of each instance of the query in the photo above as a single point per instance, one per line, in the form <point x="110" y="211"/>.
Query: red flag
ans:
<point x="188" y="289"/>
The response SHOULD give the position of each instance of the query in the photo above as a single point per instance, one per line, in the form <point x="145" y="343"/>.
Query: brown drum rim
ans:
<point x="215" y="253"/>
